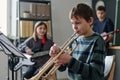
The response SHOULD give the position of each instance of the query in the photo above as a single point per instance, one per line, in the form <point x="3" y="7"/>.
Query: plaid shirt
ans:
<point x="87" y="61"/>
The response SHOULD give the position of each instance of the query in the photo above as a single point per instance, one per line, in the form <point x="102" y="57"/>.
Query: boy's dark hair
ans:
<point x="81" y="10"/>
<point x="101" y="8"/>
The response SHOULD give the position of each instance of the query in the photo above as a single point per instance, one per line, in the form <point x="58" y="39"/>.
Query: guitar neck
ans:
<point x="109" y="33"/>
<point x="39" y="54"/>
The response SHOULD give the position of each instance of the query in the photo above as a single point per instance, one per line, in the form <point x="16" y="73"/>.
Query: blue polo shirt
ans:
<point x="105" y="26"/>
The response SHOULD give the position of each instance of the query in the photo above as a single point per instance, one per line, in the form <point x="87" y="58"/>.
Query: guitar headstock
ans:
<point x="117" y="30"/>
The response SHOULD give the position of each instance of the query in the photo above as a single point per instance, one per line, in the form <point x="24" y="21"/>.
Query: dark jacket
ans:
<point x="37" y="46"/>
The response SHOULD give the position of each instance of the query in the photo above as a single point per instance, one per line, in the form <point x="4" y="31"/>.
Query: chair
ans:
<point x="109" y="67"/>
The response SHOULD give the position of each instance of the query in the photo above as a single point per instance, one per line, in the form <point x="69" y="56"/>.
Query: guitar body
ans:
<point x="39" y="57"/>
<point x="105" y="37"/>
<point x="24" y="62"/>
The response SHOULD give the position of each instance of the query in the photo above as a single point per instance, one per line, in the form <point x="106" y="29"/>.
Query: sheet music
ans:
<point x="2" y="48"/>
<point x="8" y="47"/>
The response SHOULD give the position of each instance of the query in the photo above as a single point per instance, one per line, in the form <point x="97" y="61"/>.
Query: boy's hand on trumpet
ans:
<point x="63" y="58"/>
<point x="54" y="50"/>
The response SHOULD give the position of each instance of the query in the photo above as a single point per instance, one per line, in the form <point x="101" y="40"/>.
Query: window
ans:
<point x="5" y="16"/>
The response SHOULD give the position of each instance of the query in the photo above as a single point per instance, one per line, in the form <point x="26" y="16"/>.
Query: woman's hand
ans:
<point x="28" y="51"/>
<point x="54" y="50"/>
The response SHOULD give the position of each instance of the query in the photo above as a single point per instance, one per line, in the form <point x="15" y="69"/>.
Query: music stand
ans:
<point x="10" y="50"/>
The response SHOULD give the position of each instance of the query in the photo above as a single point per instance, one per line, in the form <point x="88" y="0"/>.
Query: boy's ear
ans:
<point x="91" y="20"/>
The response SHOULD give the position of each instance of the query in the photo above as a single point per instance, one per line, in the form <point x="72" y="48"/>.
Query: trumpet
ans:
<point x="50" y="62"/>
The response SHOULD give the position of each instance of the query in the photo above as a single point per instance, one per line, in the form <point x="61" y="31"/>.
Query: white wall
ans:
<point x="61" y="25"/>
<point x="3" y="16"/>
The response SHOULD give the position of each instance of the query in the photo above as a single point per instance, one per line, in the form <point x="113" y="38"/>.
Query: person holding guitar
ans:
<point x="103" y="25"/>
<point x="37" y="43"/>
